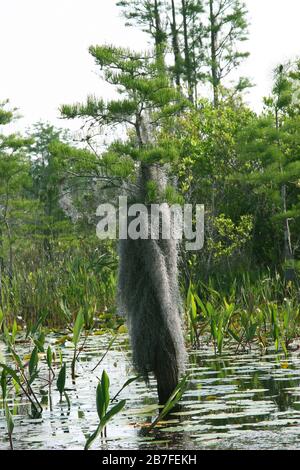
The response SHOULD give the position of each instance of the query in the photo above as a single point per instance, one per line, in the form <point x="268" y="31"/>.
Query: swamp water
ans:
<point x="244" y="401"/>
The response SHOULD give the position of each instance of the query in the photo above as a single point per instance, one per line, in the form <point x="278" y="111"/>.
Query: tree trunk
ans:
<point x="289" y="269"/>
<point x="175" y="45"/>
<point x="166" y="372"/>
<point x="288" y="256"/>
<point x="149" y="292"/>
<point x="159" y="39"/>
<point x="187" y="58"/>
<point x="213" y="52"/>
<point x="194" y="60"/>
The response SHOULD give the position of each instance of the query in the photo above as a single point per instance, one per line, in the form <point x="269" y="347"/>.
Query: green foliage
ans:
<point x="270" y="146"/>
<point x="3" y="382"/>
<point x="61" y="380"/>
<point x="227" y="29"/>
<point x="103" y="395"/>
<point x="49" y="357"/>
<point x="77" y="329"/>
<point x="204" y="37"/>
<point x="171" y="403"/>
<point x="10" y="424"/>
<point x="229" y="238"/>
<point x="244" y="167"/>
<point x="104" y="421"/>
<point x="102" y="402"/>
<point x="128" y="382"/>
<point x="78" y="325"/>
<point x="256" y="313"/>
<point x="20" y="376"/>
<point x="33" y="363"/>
<point x="127" y="70"/>
<point x="82" y="275"/>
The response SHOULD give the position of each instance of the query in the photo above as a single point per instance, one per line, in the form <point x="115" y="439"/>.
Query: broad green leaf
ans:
<point x="61" y="380"/>
<point x="193" y="309"/>
<point x="17" y="358"/>
<point x="16" y="386"/>
<point x="112" y="412"/>
<point x="11" y="372"/>
<point x="100" y="401"/>
<point x="102" y="395"/>
<point x="252" y="331"/>
<point x="105" y="388"/>
<point x="210" y="309"/>
<point x="33" y="377"/>
<point x="200" y="305"/>
<point x="172" y="401"/>
<point x="49" y="357"/>
<point x="78" y="325"/>
<point x="33" y="362"/>
<point x="40" y="342"/>
<point x="213" y="329"/>
<point x="91" y="439"/>
<point x="3" y="381"/>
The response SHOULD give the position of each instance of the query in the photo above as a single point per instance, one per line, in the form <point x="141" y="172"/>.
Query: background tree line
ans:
<point x="243" y="166"/>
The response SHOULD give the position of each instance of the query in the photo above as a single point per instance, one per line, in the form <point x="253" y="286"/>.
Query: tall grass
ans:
<point x="71" y="283"/>
<point x="259" y="312"/>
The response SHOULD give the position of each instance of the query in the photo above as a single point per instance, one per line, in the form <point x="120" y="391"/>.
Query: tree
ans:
<point x="14" y="184"/>
<point x="206" y="139"/>
<point x="200" y="35"/>
<point x="272" y="146"/>
<point x="148" y="15"/>
<point x="174" y="26"/>
<point x="177" y="69"/>
<point x="227" y="26"/>
<point x="47" y="184"/>
<point x="148" y="286"/>
<point x="193" y="36"/>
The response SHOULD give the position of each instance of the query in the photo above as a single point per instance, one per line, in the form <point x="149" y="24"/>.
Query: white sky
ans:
<point x="44" y="59"/>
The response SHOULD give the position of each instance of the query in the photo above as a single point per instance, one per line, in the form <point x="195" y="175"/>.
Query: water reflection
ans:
<point x="233" y="402"/>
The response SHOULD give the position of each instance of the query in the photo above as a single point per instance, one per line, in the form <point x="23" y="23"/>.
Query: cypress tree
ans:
<point x="148" y="15"/>
<point x="148" y="285"/>
<point x="227" y="26"/>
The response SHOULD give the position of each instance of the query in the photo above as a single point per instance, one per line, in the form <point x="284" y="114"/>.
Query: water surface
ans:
<point x="245" y="401"/>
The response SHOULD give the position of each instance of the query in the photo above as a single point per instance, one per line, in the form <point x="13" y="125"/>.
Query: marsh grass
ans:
<point x="69" y="284"/>
<point x="262" y="313"/>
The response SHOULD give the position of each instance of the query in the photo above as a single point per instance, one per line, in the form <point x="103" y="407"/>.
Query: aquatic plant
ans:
<point x="102" y="403"/>
<point x="23" y="379"/>
<point x="171" y="403"/>
<point x="77" y="279"/>
<point x="61" y="384"/>
<point x="77" y="328"/>
<point x="251" y="314"/>
<point x="10" y="425"/>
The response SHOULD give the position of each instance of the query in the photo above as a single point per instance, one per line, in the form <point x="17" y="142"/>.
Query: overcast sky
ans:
<point x="44" y="58"/>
